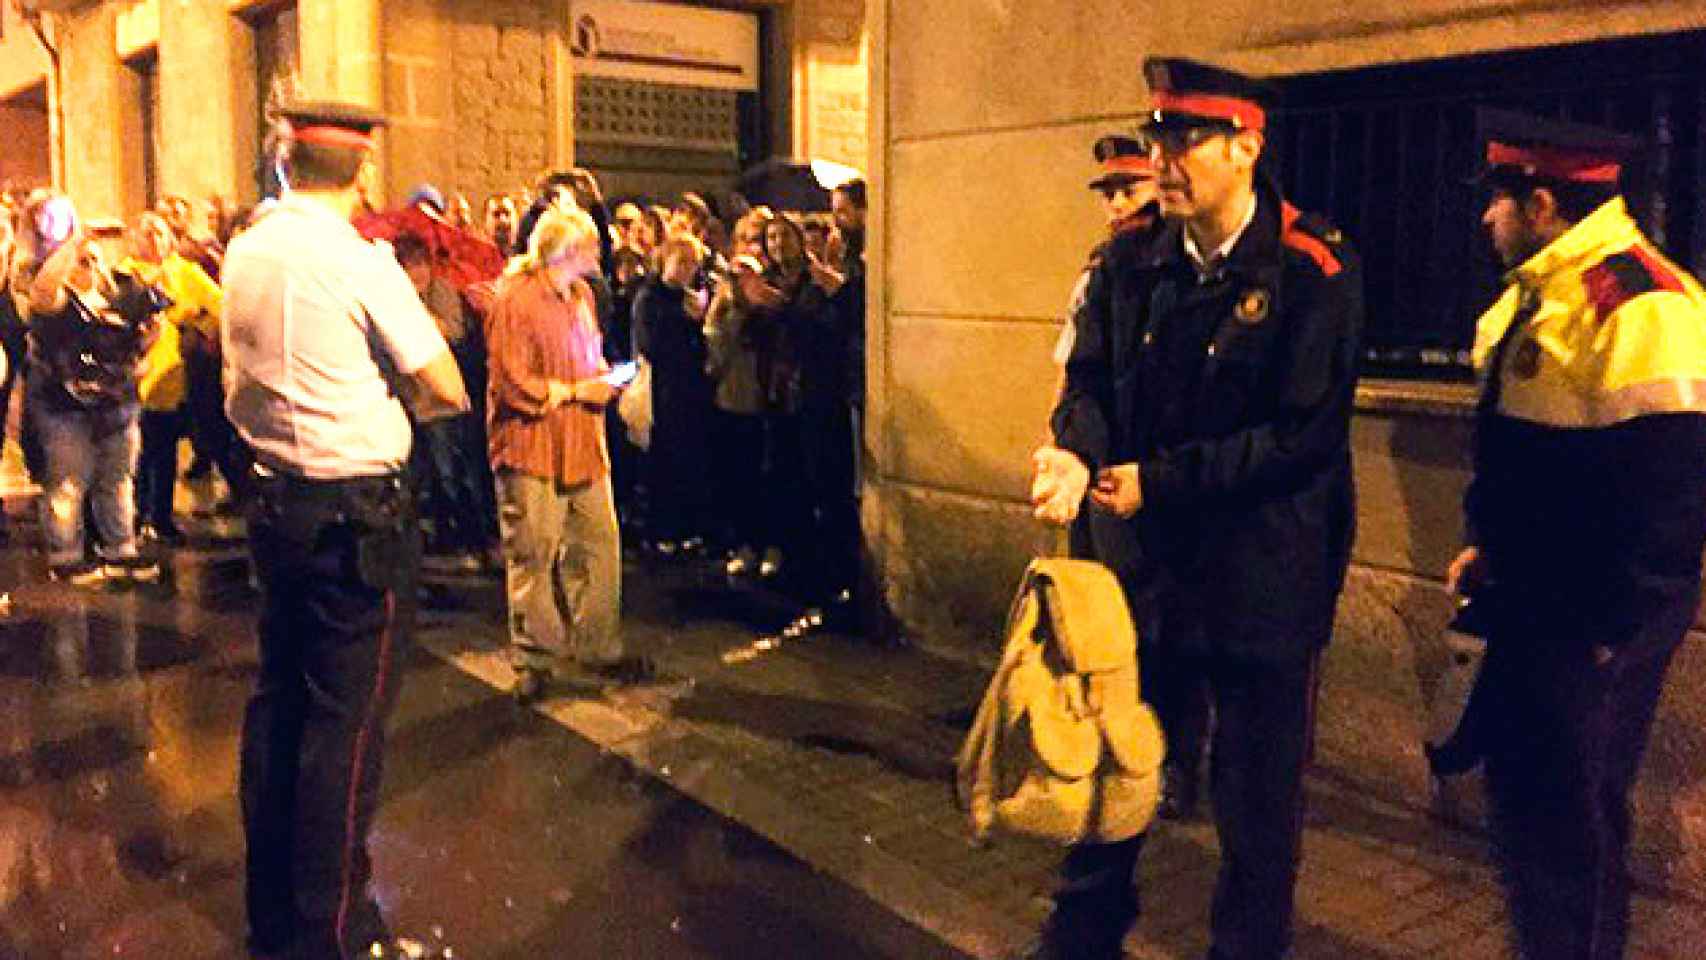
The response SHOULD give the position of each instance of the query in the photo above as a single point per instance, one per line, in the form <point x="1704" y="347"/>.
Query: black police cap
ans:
<point x="1123" y="159"/>
<point x="1190" y="93"/>
<point x="331" y="123"/>
<point x="1118" y="145"/>
<point x="1520" y="146"/>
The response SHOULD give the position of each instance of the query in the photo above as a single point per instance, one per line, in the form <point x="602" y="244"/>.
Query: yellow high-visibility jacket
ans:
<point x="1619" y="331"/>
<point x="1589" y="495"/>
<point x="196" y="303"/>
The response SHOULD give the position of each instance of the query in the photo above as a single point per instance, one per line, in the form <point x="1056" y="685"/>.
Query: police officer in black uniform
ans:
<point x="1127" y="184"/>
<point x="1208" y="402"/>
<point x="323" y="335"/>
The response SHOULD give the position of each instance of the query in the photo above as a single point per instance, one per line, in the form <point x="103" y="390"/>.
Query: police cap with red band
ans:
<point x="329" y="124"/>
<point x="1520" y="147"/>
<point x="1123" y="160"/>
<point x="1185" y="93"/>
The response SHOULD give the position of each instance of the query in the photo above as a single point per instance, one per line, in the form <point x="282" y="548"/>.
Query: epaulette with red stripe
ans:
<point x="1310" y="237"/>
<point x="1622" y="277"/>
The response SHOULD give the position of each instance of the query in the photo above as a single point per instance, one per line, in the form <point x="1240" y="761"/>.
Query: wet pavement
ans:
<point x="501" y="833"/>
<point x="787" y="802"/>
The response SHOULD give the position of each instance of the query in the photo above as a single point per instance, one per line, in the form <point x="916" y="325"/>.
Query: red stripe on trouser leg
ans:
<point x="351" y="839"/>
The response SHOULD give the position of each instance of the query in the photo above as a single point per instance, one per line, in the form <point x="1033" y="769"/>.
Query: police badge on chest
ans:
<point x="1253" y="306"/>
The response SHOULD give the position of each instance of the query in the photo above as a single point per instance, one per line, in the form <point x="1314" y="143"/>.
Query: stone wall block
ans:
<point x="474" y="41"/>
<point x="965" y="413"/>
<point x="475" y="100"/>
<point x="525" y="156"/>
<point x="950" y="564"/>
<point x="430" y="90"/>
<point x="1001" y="223"/>
<point x="468" y="73"/>
<point x="525" y="46"/>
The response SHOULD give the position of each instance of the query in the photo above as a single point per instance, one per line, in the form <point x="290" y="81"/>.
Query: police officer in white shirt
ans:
<point x="324" y="339"/>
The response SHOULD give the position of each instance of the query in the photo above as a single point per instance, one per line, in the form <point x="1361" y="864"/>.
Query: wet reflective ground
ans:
<point x="502" y="834"/>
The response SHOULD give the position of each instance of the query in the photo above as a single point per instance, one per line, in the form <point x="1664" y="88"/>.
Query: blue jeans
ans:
<point x="90" y="454"/>
<point x="457" y="490"/>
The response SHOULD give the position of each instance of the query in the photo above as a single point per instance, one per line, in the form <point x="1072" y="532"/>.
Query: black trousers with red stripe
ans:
<point x="1264" y="726"/>
<point x="332" y="643"/>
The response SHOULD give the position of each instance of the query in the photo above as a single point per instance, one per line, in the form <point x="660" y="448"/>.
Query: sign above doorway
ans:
<point x="665" y="43"/>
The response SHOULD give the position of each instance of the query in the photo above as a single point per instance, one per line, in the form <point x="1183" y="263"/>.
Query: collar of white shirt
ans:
<point x="296" y="203"/>
<point x="1209" y="265"/>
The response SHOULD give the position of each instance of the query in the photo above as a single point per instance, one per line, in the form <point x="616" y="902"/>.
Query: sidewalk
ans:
<point x="840" y="752"/>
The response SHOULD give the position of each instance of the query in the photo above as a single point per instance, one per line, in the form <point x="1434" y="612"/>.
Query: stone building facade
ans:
<point x="981" y="122"/>
<point x="167" y="95"/>
<point x="973" y="118"/>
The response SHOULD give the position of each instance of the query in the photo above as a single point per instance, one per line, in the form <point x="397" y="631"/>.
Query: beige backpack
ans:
<point x="1062" y="747"/>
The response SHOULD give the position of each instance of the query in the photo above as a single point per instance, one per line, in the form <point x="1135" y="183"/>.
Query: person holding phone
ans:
<point x="669" y="337"/>
<point x="803" y="367"/>
<point x="88" y="329"/>
<point x="547" y="395"/>
<point x="738" y="398"/>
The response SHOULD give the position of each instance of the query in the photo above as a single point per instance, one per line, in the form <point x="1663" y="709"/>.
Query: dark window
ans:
<point x="147" y="69"/>
<point x="1384" y="153"/>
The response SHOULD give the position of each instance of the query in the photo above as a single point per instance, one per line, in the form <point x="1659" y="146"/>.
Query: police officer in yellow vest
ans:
<point x="1586" y="517"/>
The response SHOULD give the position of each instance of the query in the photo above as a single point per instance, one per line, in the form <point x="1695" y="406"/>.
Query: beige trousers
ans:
<point x="563" y="566"/>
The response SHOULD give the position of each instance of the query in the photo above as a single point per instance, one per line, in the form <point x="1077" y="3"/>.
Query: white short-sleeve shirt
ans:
<point x="312" y="310"/>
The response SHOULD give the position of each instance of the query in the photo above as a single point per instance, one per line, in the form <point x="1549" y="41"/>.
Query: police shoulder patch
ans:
<point x="1311" y="237"/>
<point x="1622" y="277"/>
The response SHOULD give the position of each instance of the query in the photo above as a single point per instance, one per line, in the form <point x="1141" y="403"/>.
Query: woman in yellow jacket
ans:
<point x="196" y="304"/>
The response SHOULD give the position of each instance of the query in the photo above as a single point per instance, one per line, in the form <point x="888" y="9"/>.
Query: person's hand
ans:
<point x="758" y="293"/>
<point x="557" y="393"/>
<point x="696" y="303"/>
<point x="1467" y="573"/>
<point x="827" y="279"/>
<point x="1118" y="490"/>
<point x="835" y="250"/>
<point x="594" y="393"/>
<point x="1058" y="482"/>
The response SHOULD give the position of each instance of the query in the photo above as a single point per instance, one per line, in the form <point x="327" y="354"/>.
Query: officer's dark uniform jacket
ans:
<point x="1589" y="496"/>
<point x="1233" y="394"/>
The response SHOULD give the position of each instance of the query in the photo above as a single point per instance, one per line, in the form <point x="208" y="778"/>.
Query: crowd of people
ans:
<point x="375" y="384"/>
<point x="749" y="321"/>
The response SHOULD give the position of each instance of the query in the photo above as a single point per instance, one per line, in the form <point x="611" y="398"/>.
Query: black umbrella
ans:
<point x="786" y="185"/>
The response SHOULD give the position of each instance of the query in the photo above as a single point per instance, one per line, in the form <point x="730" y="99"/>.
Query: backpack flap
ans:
<point x="1088" y="615"/>
<point x="1127" y="724"/>
<point x="1051" y="712"/>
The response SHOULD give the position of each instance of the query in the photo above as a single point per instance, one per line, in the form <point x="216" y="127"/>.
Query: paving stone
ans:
<point x="829" y="731"/>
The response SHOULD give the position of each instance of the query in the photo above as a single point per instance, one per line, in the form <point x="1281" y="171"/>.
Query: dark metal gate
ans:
<point x="1384" y="153"/>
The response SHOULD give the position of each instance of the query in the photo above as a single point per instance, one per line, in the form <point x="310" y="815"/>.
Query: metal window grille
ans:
<point x="1384" y="152"/>
<point x="633" y="113"/>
